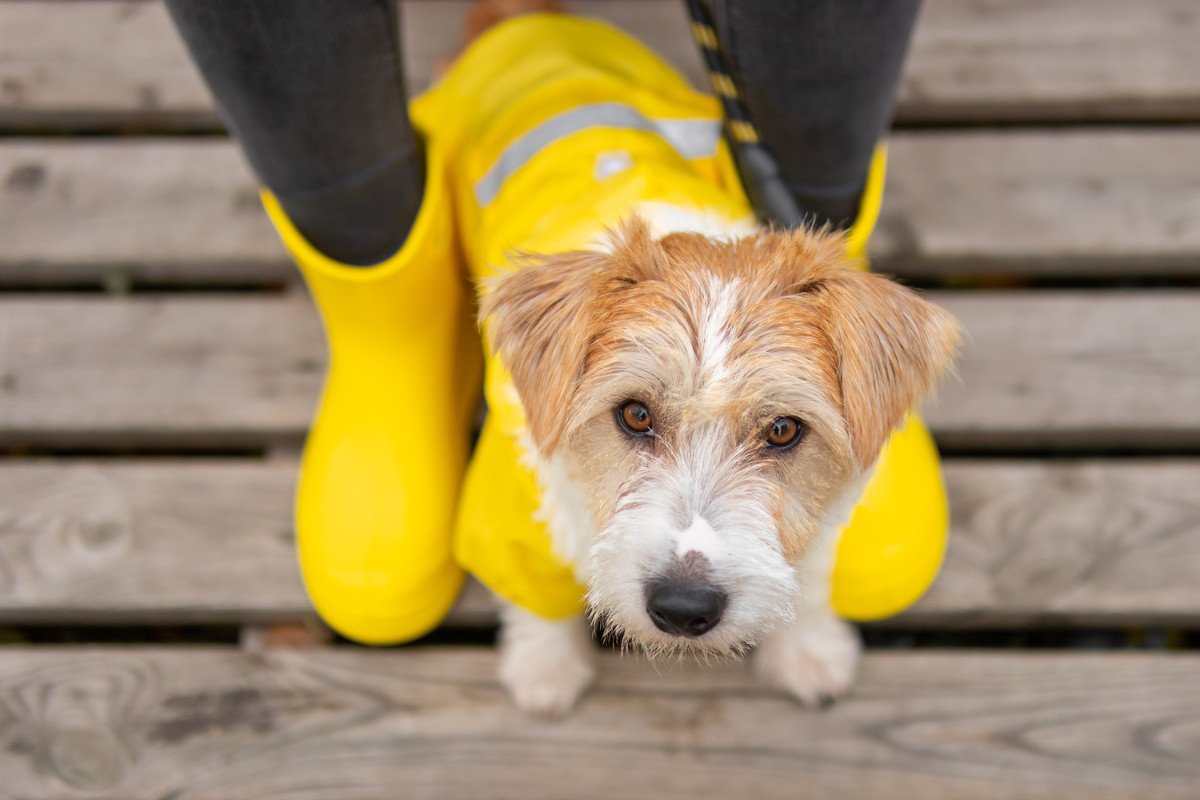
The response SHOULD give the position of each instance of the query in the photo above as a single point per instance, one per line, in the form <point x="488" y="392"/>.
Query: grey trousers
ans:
<point x="313" y="91"/>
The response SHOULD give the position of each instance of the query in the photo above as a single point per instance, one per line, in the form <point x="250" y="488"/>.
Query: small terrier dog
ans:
<point x="704" y="409"/>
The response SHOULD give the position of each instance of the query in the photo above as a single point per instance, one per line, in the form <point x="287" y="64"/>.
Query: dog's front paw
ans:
<point x="545" y="666"/>
<point x="814" y="659"/>
<point x="545" y="687"/>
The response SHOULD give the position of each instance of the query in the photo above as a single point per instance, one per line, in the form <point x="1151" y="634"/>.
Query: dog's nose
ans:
<point x="684" y="608"/>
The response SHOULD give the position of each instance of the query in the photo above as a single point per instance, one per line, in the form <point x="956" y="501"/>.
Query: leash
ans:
<point x="759" y="170"/>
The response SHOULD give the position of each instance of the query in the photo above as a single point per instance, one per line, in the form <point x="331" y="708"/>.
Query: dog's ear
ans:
<point x="892" y="345"/>
<point x="545" y="315"/>
<point x="541" y="325"/>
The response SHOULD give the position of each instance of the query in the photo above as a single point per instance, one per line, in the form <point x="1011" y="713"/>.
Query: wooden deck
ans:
<point x="158" y="366"/>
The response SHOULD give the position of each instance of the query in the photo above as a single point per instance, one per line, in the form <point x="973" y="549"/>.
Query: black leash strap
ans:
<point x="759" y="171"/>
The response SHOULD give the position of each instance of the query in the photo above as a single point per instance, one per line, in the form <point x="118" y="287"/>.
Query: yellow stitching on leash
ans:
<point x="742" y="131"/>
<point x="722" y="84"/>
<point x="705" y="35"/>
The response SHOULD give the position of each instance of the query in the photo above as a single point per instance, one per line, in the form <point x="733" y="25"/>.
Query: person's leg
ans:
<point x="313" y="92"/>
<point x="818" y="78"/>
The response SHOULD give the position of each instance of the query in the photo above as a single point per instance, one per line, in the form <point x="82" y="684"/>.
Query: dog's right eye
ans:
<point x="784" y="432"/>
<point x="634" y="418"/>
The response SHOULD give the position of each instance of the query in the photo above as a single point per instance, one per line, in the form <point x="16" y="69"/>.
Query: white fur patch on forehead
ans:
<point x="687" y="350"/>
<point x="700" y="537"/>
<point x="715" y="340"/>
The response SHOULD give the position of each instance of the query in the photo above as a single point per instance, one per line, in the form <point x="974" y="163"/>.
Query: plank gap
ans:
<point x="142" y="451"/>
<point x="916" y="121"/>
<point x="959" y="276"/>
<point x="1027" y="277"/>
<point x="119" y="126"/>
<point x="136" y="287"/>
<point x="134" y="445"/>
<point x="951" y="449"/>
<point x="876" y="636"/>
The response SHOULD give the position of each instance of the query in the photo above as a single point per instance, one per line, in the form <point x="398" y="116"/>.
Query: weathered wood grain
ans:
<point x="121" y="65"/>
<point x="1074" y="369"/>
<point x="1068" y="202"/>
<point x="334" y="724"/>
<point x="1101" y="542"/>
<point x="105" y="64"/>
<point x="1095" y="542"/>
<point x="1083" y="369"/>
<point x="1045" y="203"/>
<point x="148" y="541"/>
<point x="166" y="370"/>
<point x="85" y="211"/>
<point x="156" y="540"/>
<point x="1030" y="60"/>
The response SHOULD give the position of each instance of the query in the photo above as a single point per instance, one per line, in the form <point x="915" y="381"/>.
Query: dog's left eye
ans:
<point x="634" y="418"/>
<point x="784" y="432"/>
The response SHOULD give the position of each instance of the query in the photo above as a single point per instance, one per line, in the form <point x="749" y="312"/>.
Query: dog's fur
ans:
<point x="718" y="335"/>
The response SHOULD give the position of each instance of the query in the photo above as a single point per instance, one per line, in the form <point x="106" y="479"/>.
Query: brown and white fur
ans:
<point x="718" y="333"/>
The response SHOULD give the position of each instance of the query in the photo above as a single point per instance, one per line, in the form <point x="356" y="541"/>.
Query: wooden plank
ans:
<point x="1054" y="60"/>
<point x="1099" y="542"/>
<point x="1045" y="203"/>
<point x="1054" y="203"/>
<point x="1095" y="542"/>
<point x="149" y="541"/>
<point x="208" y="540"/>
<point x="121" y="65"/>
<point x="143" y="210"/>
<point x="97" y="65"/>
<point x="1073" y="369"/>
<point x="433" y="723"/>
<point x="202" y="369"/>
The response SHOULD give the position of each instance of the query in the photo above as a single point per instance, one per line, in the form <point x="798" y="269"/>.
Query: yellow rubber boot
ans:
<point x="893" y="547"/>
<point x="384" y="459"/>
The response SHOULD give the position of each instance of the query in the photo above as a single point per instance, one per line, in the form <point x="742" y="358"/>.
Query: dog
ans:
<point x="704" y="401"/>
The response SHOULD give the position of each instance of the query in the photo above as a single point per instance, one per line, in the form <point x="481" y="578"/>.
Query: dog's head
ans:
<point x="713" y="404"/>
